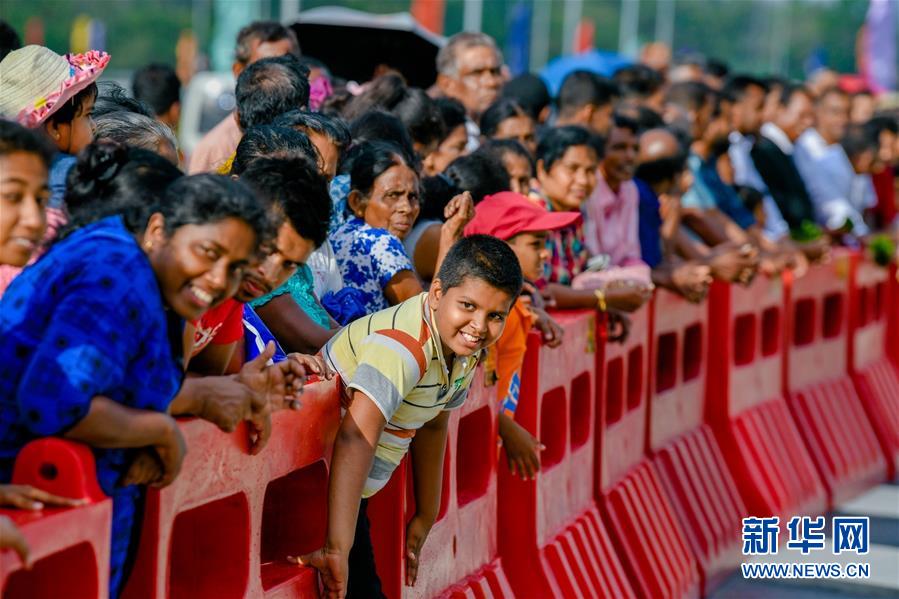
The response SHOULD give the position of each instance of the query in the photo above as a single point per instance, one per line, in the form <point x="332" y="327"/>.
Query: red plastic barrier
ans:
<point x="224" y="528"/>
<point x="745" y="407"/>
<point x="641" y="519"/>
<point x="460" y="557"/>
<point x="552" y="540"/>
<point x="875" y="376"/>
<point x="683" y="448"/>
<point x="892" y="306"/>
<point x="69" y="547"/>
<point x="824" y="402"/>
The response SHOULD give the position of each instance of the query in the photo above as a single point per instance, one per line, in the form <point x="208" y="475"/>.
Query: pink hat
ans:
<point x="35" y="81"/>
<point x="506" y="214"/>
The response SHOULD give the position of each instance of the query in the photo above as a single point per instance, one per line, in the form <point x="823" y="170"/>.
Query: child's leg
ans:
<point x="363" y="581"/>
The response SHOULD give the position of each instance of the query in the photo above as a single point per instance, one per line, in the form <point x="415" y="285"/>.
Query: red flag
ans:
<point x="429" y="13"/>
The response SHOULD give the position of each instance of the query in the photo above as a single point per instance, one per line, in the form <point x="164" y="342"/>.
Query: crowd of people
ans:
<point x="394" y="236"/>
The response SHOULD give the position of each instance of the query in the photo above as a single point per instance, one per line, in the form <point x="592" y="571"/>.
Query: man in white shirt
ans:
<point x="829" y="175"/>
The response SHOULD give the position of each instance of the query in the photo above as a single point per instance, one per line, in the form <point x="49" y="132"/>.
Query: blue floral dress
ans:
<point x="87" y="319"/>
<point x="368" y="259"/>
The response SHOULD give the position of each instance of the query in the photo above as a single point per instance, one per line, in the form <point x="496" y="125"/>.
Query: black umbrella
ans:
<point x="353" y="44"/>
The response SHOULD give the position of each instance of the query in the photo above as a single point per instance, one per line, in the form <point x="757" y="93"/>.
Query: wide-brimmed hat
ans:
<point x="35" y="81"/>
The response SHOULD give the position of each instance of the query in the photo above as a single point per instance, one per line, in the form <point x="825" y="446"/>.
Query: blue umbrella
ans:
<point x="601" y="62"/>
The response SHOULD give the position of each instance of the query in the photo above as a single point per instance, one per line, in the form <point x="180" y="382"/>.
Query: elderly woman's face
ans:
<point x="393" y="203"/>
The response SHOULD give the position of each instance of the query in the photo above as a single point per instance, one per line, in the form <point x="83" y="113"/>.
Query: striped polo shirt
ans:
<point x="395" y="357"/>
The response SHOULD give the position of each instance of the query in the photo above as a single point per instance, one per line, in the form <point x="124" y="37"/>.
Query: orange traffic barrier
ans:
<point x="69" y="546"/>
<point x="552" y="540"/>
<point x="824" y="402"/>
<point x="876" y="377"/>
<point x="225" y="527"/>
<point x="684" y="450"/>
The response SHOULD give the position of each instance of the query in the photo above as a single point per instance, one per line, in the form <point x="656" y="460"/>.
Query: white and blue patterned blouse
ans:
<point x="368" y="259"/>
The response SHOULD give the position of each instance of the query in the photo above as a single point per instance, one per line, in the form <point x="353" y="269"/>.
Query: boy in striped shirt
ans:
<point x="403" y="368"/>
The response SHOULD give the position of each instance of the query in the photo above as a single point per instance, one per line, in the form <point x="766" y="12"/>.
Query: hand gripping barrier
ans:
<point x="460" y="557"/>
<point x="69" y="546"/>
<point x="641" y="519"/>
<point x="552" y="540"/>
<point x="761" y="443"/>
<point x="827" y="409"/>
<point x="876" y="378"/>
<point x="682" y="446"/>
<point x="224" y="528"/>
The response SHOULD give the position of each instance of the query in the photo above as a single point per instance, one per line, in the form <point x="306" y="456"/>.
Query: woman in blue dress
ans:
<point x="91" y="334"/>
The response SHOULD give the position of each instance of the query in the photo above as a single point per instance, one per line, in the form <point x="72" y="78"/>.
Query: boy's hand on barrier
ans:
<point x="11" y="538"/>
<point x="522" y="448"/>
<point x="259" y="429"/>
<point x="333" y="568"/>
<point x="313" y="365"/>
<point x="146" y="469"/>
<point x="171" y="449"/>
<point x="549" y="329"/>
<point x="26" y="497"/>
<point x="416" y="535"/>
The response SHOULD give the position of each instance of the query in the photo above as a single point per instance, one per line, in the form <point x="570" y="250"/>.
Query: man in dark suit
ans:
<point x="772" y="155"/>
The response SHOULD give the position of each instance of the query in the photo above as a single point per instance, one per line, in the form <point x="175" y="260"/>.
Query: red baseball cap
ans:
<point x="506" y="214"/>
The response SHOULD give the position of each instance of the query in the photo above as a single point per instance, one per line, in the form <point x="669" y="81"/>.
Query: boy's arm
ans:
<point x="427" y="450"/>
<point x="354" y="451"/>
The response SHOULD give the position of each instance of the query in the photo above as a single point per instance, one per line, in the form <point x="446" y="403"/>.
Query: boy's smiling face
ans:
<point x="470" y="316"/>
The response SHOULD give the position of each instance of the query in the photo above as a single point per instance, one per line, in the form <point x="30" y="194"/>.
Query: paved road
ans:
<point x="881" y="505"/>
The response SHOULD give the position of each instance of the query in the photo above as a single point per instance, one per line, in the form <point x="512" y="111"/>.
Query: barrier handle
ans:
<point x="60" y="467"/>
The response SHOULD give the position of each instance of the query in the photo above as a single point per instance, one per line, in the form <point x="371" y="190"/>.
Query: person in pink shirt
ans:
<point x="611" y="213"/>
<point x="258" y="40"/>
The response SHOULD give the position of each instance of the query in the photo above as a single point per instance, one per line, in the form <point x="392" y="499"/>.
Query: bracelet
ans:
<point x="600" y="300"/>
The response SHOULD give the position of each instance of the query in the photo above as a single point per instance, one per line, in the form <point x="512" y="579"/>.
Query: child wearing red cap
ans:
<point x="523" y="225"/>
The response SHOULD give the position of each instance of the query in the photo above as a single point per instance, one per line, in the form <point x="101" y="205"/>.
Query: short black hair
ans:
<point x="74" y="107"/>
<point x="299" y="192"/>
<point x="555" y="143"/>
<point x="737" y="86"/>
<point x="268" y="141"/>
<point x="581" y="88"/>
<point x="207" y="198"/>
<point x="499" y="148"/>
<point x="479" y="173"/>
<point x="373" y="158"/>
<point x="332" y="128"/>
<point x="16" y="138"/>
<point x="496" y="113"/>
<point x="638" y="80"/>
<point x="112" y="97"/>
<point x="482" y="257"/>
<point x="858" y="139"/>
<point x="9" y="39"/>
<point x="263" y="31"/>
<point x="270" y="87"/>
<point x="157" y="85"/>
<point x="529" y="91"/>
<point x="111" y="178"/>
